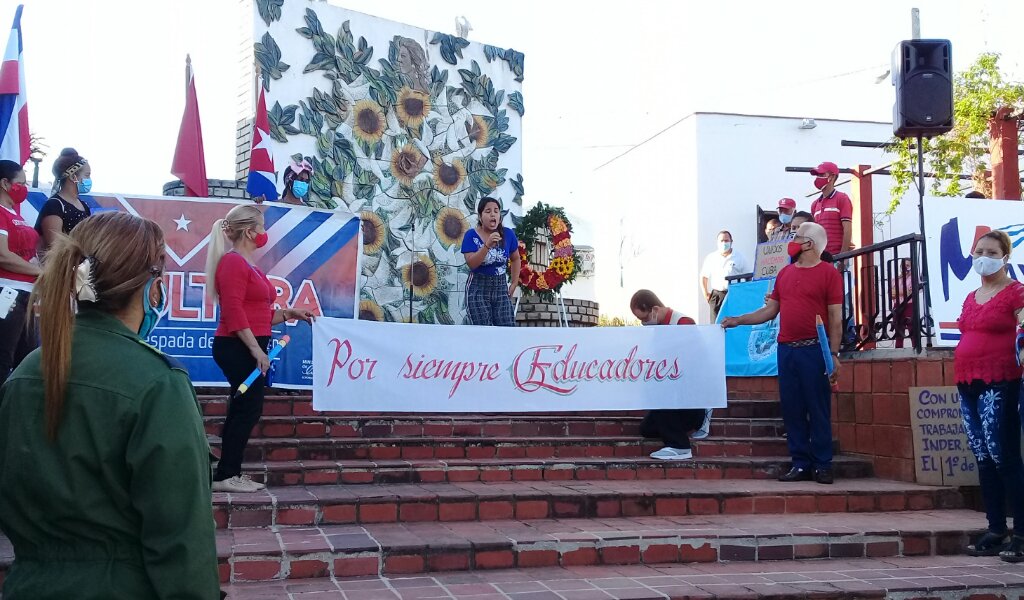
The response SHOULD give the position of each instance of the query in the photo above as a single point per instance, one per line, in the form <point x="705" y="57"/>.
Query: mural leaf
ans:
<point x="451" y="46"/>
<point x="268" y="55"/>
<point x="270" y="10"/>
<point x="515" y="102"/>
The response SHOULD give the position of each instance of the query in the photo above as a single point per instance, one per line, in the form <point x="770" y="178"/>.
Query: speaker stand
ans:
<point x="924" y="239"/>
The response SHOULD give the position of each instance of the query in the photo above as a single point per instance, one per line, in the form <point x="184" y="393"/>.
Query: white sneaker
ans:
<point x="235" y="485"/>
<point x="667" y="453"/>
<point x="256" y="484"/>
<point x="705" y="427"/>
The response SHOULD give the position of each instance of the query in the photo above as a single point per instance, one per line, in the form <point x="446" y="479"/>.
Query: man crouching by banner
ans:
<point x="805" y="289"/>
<point x="672" y="426"/>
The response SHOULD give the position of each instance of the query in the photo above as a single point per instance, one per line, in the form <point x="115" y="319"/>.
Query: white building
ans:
<point x="667" y="198"/>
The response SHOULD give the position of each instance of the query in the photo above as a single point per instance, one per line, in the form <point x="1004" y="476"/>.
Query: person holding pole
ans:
<point x="806" y="289"/>
<point x="988" y="377"/>
<point x="247" y="313"/>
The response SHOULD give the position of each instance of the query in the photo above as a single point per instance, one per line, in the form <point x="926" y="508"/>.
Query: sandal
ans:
<point x="1014" y="552"/>
<point x="990" y="544"/>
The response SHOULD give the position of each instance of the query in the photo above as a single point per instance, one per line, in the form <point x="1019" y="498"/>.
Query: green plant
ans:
<point x="977" y="93"/>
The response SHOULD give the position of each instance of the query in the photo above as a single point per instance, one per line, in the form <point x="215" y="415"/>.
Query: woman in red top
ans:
<point x="989" y="377"/>
<point x="247" y="313"/>
<point x="18" y="269"/>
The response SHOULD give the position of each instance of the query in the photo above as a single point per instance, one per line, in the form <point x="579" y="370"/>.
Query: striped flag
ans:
<point x="262" y="176"/>
<point x="13" y="100"/>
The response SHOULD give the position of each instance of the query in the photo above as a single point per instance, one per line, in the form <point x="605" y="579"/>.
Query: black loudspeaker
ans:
<point x="922" y="71"/>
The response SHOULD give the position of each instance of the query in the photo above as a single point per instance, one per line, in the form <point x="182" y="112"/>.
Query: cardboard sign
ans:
<point x="941" y="453"/>
<point x="769" y="258"/>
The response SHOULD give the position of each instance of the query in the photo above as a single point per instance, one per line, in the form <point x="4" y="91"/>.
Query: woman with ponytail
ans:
<point x="65" y="209"/>
<point x="247" y="313"/>
<point x="489" y="249"/>
<point x="18" y="269"/>
<point x="104" y="463"/>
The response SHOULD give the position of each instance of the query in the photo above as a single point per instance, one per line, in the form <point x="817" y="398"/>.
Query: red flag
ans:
<point x="189" y="162"/>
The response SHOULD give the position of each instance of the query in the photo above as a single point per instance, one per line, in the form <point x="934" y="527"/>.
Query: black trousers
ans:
<point x="672" y="425"/>
<point x="244" y="412"/>
<point x="17" y="337"/>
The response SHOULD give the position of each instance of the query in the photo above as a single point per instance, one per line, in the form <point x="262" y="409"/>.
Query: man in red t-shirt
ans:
<point x="803" y="290"/>
<point x="833" y="209"/>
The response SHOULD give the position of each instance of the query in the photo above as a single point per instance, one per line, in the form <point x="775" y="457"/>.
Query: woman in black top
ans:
<point x="65" y="208"/>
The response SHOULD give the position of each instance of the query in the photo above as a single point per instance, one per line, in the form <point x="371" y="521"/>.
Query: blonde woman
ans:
<point x="104" y="470"/>
<point x="247" y="313"/>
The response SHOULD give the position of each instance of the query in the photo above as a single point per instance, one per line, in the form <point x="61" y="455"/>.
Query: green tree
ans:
<point x="606" y="321"/>
<point x="977" y="93"/>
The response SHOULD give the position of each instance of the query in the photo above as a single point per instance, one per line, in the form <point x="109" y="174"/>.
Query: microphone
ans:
<point x="256" y="372"/>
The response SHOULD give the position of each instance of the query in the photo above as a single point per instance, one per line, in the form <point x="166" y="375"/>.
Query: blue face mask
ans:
<point x="85" y="186"/>
<point x="300" y="188"/>
<point x="785" y="219"/>
<point x="152" y="313"/>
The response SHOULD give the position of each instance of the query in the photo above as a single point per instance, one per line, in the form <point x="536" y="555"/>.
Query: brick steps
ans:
<point x="867" y="578"/>
<point x="405" y="548"/>
<point x="283" y="473"/>
<point x="275" y="449"/>
<point x="302" y="406"/>
<point x="346" y="504"/>
<point x="479" y="426"/>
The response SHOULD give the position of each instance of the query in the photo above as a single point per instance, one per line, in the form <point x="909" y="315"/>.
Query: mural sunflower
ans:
<point x="370" y="311"/>
<point x="422" y="274"/>
<point x="451" y="226"/>
<point x="479" y="131"/>
<point x="413" y="107"/>
<point x="449" y="177"/>
<point x="373" y="231"/>
<point x="368" y="123"/>
<point x="407" y="163"/>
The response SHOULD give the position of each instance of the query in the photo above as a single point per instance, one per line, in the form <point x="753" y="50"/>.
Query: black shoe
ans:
<point x="797" y="474"/>
<point x="824" y="476"/>
<point x="1014" y="552"/>
<point x="989" y="544"/>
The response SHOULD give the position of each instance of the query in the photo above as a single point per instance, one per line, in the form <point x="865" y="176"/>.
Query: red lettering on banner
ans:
<point x="209" y="307"/>
<point x="356" y="368"/>
<point x="175" y="282"/>
<point x="532" y="372"/>
<point x="457" y="372"/>
<point x="307" y="298"/>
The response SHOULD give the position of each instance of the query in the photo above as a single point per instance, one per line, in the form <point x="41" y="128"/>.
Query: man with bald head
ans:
<point x="804" y="289"/>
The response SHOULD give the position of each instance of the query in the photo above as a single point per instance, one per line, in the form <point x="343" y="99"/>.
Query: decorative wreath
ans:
<point x="564" y="263"/>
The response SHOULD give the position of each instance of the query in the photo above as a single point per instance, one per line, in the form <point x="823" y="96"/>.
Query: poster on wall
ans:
<point x="941" y="453"/>
<point x="952" y="226"/>
<point x="405" y="127"/>
<point x="312" y="258"/>
<point x="432" y="368"/>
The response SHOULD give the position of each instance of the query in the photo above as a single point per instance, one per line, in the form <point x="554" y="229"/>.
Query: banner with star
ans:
<point x="312" y="258"/>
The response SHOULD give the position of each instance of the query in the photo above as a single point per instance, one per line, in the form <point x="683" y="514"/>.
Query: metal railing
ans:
<point x="883" y="295"/>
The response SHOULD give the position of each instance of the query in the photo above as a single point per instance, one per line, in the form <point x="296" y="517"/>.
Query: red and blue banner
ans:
<point x="312" y="258"/>
<point x="15" y="143"/>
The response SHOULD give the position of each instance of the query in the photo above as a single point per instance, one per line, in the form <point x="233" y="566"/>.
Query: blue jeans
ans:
<point x="806" y="396"/>
<point x="991" y="415"/>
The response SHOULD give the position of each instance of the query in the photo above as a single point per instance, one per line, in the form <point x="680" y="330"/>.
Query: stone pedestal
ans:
<point x="535" y="313"/>
<point x="219" y="188"/>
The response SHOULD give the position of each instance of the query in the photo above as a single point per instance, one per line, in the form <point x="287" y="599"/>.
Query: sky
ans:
<point x="107" y="76"/>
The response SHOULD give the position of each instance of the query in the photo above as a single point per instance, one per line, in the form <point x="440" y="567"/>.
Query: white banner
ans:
<point x="386" y="367"/>
<point x="952" y="225"/>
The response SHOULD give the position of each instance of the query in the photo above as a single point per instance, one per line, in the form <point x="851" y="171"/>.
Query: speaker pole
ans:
<point x="924" y="239"/>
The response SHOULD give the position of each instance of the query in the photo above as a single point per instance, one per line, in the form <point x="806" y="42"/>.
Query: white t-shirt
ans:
<point x="717" y="267"/>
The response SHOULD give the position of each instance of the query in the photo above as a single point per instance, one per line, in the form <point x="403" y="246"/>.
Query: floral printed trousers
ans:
<point x="991" y="416"/>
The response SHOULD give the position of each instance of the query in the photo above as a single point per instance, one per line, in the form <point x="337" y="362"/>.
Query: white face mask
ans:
<point x="987" y="265"/>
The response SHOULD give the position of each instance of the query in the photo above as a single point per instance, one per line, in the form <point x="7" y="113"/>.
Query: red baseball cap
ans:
<point x="825" y="168"/>
<point x="787" y="203"/>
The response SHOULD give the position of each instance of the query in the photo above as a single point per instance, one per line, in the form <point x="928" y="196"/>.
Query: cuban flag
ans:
<point x="13" y="100"/>
<point x="262" y="175"/>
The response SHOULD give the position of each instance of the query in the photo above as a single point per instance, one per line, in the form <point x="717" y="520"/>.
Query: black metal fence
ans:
<point x="883" y="298"/>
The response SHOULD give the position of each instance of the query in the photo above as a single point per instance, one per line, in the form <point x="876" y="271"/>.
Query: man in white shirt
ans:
<point x="723" y="262"/>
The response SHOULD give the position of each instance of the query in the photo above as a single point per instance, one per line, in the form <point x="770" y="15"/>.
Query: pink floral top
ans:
<point x="988" y="333"/>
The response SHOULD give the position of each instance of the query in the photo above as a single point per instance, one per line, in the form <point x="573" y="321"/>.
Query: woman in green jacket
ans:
<point x="104" y="465"/>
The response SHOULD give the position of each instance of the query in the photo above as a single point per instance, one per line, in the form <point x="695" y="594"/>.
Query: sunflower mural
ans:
<point x="407" y="128"/>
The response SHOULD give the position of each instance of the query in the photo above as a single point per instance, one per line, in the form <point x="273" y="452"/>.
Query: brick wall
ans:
<point x="219" y="188"/>
<point x="535" y="313"/>
<point x="243" y="143"/>
<point x="871" y="411"/>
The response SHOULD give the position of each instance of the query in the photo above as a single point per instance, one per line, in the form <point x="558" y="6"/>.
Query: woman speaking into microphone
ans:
<point x="487" y="248"/>
<point x="247" y="313"/>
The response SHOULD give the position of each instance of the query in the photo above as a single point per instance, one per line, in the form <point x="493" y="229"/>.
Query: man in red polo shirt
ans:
<point x="803" y="290"/>
<point x="833" y="209"/>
